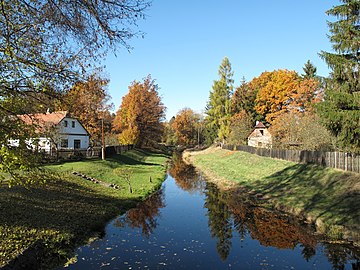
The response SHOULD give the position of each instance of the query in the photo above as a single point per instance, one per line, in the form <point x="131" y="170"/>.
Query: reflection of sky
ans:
<point x="182" y="240"/>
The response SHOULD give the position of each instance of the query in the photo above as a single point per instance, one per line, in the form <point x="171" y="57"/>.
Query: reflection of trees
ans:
<point x="270" y="228"/>
<point x="220" y="223"/>
<point x="144" y="215"/>
<point x="340" y="255"/>
<point x="233" y="210"/>
<point x="185" y="175"/>
<point x="308" y="252"/>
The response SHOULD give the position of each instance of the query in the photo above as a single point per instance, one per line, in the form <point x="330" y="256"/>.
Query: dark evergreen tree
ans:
<point x="340" y="110"/>
<point x="309" y="70"/>
<point x="218" y="106"/>
<point x="244" y="100"/>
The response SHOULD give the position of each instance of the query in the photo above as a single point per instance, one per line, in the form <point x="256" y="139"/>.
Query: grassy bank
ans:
<point x="330" y="198"/>
<point x="68" y="210"/>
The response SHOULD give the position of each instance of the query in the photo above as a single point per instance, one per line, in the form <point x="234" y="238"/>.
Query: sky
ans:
<point x="186" y="40"/>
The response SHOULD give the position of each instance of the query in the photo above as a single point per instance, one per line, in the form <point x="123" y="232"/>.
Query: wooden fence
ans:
<point x="68" y="154"/>
<point x="337" y="160"/>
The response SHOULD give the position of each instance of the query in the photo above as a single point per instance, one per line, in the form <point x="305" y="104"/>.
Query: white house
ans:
<point x="57" y="130"/>
<point x="260" y="136"/>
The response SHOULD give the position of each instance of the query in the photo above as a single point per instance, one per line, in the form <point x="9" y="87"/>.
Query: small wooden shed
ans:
<point x="260" y="136"/>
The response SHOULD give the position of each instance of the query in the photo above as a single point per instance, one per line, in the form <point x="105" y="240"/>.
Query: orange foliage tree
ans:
<point x="307" y="93"/>
<point x="274" y="91"/>
<point x="88" y="101"/>
<point x="283" y="91"/>
<point x="185" y="126"/>
<point x="139" y="118"/>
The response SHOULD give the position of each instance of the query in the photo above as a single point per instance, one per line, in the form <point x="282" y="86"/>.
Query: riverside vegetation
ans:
<point x="67" y="210"/>
<point x="324" y="196"/>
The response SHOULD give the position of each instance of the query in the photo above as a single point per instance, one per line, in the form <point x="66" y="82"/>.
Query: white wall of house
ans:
<point x="73" y="142"/>
<point x="44" y="144"/>
<point x="74" y="133"/>
<point x="260" y="138"/>
<point x="68" y="134"/>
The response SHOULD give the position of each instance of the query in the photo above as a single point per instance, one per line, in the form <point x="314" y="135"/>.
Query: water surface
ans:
<point x="191" y="224"/>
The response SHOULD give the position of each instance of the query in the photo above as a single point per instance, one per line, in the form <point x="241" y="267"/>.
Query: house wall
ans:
<point x="71" y="133"/>
<point x="84" y="141"/>
<point x="260" y="138"/>
<point x="78" y="129"/>
<point x="43" y="143"/>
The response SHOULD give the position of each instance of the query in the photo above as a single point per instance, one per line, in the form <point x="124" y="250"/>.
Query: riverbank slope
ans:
<point x="327" y="197"/>
<point x="49" y="221"/>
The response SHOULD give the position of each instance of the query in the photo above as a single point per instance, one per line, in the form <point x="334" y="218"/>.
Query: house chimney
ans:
<point x="257" y="122"/>
<point x="48" y="111"/>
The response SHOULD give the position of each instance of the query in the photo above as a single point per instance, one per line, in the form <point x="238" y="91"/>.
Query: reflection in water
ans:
<point x="231" y="211"/>
<point x="144" y="216"/>
<point x="271" y="229"/>
<point x="185" y="175"/>
<point x="202" y="227"/>
<point x="220" y="222"/>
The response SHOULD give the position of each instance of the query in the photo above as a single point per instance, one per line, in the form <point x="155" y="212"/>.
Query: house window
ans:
<point x="73" y="124"/>
<point x="262" y="132"/>
<point x="64" y="143"/>
<point x="65" y="123"/>
<point x="77" y="144"/>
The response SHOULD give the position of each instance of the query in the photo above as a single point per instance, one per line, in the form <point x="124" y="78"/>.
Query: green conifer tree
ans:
<point x="340" y="110"/>
<point x="309" y="70"/>
<point x="218" y="108"/>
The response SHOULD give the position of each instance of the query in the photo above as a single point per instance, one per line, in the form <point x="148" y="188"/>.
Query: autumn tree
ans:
<point x="88" y="101"/>
<point x="300" y="131"/>
<point x="185" y="126"/>
<point x="139" y="118"/>
<point x="274" y="91"/>
<point x="340" y="110"/>
<point x="307" y="93"/>
<point x="45" y="47"/>
<point x="283" y="91"/>
<point x="218" y="108"/>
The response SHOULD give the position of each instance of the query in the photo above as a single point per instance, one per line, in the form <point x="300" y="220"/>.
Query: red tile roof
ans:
<point x="43" y="120"/>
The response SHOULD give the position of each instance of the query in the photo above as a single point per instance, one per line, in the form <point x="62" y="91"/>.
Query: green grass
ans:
<point x="319" y="193"/>
<point x="144" y="165"/>
<point x="68" y="210"/>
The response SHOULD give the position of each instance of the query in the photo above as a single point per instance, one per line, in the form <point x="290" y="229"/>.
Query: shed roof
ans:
<point x="259" y="125"/>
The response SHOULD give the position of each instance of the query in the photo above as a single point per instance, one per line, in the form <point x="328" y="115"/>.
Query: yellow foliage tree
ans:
<point x="275" y="90"/>
<point x="283" y="91"/>
<point x="139" y="118"/>
<point x="185" y="127"/>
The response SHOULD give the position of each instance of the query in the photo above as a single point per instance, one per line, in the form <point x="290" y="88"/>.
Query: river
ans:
<point x="191" y="224"/>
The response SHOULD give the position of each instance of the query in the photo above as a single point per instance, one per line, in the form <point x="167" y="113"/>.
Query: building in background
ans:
<point x="260" y="136"/>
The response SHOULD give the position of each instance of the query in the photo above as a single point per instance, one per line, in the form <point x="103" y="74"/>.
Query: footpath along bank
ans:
<point x="326" y="197"/>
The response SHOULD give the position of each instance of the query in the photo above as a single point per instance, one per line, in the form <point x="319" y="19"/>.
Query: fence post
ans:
<point x="346" y="161"/>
